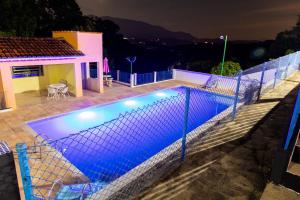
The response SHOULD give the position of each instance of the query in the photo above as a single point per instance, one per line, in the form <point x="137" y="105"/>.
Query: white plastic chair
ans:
<point x="64" y="92"/>
<point x="52" y="93"/>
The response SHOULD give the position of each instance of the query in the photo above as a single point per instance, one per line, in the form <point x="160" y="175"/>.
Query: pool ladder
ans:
<point x="39" y="142"/>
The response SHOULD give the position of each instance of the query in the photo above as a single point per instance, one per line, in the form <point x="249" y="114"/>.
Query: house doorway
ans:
<point x="84" y="76"/>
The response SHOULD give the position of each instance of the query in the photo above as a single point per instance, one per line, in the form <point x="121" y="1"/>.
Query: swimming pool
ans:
<point x="104" y="142"/>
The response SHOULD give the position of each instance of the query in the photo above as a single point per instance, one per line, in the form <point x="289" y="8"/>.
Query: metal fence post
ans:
<point x="296" y="58"/>
<point x="131" y="80"/>
<point x="25" y="170"/>
<point x="173" y="73"/>
<point x="287" y="67"/>
<point x="293" y="122"/>
<point x="155" y="74"/>
<point x="276" y="73"/>
<point x="261" y="81"/>
<point x="118" y="75"/>
<point x="185" y="125"/>
<point x="236" y="98"/>
<point x="135" y="78"/>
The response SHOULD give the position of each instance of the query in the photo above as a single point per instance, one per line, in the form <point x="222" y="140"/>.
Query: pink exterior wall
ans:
<point x="90" y="43"/>
<point x="7" y="85"/>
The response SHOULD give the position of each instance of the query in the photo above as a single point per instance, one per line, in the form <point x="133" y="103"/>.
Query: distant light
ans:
<point x="222" y="37"/>
<point x="161" y="94"/>
<point x="87" y="115"/>
<point x="130" y="103"/>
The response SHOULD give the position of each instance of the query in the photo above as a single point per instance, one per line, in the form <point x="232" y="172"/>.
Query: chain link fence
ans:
<point x="119" y="158"/>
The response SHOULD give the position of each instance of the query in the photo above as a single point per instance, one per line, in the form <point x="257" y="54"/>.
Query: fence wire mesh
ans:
<point x="119" y="158"/>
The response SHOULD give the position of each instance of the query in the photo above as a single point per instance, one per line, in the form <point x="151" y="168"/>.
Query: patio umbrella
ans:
<point x="105" y="66"/>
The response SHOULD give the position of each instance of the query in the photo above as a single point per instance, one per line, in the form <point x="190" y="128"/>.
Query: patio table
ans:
<point x="57" y="86"/>
<point x="106" y="76"/>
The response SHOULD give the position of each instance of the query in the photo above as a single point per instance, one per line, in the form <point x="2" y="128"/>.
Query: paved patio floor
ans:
<point x="33" y="105"/>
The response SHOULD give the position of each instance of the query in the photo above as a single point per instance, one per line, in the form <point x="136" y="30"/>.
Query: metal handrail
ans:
<point x="52" y="187"/>
<point x="43" y="142"/>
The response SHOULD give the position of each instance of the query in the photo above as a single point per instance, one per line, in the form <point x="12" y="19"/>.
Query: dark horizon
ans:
<point x="255" y="20"/>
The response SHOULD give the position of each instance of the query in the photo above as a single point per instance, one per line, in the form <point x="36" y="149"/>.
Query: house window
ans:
<point x="93" y="70"/>
<point x="27" y="71"/>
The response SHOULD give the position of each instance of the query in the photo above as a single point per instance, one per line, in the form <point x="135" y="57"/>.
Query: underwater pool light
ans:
<point x="161" y="94"/>
<point x="130" y="103"/>
<point x="87" y="115"/>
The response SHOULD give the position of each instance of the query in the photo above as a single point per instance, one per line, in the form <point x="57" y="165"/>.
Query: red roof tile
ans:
<point x="20" y="47"/>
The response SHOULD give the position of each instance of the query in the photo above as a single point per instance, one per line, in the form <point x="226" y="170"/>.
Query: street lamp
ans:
<point x="224" y="52"/>
<point x="131" y="60"/>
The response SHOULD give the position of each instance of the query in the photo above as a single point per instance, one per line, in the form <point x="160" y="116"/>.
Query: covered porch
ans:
<point x="28" y="66"/>
<point x="21" y="81"/>
<point x="40" y="97"/>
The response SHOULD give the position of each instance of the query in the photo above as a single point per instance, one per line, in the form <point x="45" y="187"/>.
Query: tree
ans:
<point x="58" y="15"/>
<point x="39" y="17"/>
<point x="199" y="66"/>
<point x="289" y="51"/>
<point x="287" y="40"/>
<point x="230" y="68"/>
<point x="18" y="17"/>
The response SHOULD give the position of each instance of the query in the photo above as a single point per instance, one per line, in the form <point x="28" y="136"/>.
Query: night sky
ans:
<point x="240" y="19"/>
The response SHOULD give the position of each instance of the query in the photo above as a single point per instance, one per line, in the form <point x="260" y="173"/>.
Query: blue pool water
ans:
<point x="106" y="141"/>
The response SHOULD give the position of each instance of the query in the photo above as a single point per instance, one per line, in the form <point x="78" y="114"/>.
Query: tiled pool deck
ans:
<point x="13" y="128"/>
<point x="32" y="106"/>
<point x="35" y="105"/>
